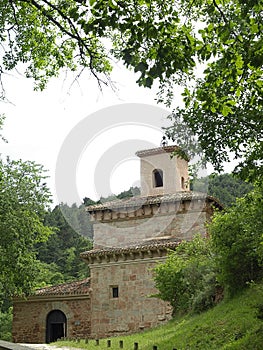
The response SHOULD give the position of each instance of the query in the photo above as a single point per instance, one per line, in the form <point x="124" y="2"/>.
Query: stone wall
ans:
<point x="180" y="220"/>
<point x="133" y="310"/>
<point x="174" y="169"/>
<point x="29" y="322"/>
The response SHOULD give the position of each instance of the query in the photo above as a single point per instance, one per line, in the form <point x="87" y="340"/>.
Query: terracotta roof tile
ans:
<point x="148" y="152"/>
<point x="139" y="201"/>
<point x="76" y="287"/>
<point x="146" y="245"/>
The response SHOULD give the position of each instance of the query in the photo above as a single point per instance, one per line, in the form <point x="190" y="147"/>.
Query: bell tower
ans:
<point x="162" y="173"/>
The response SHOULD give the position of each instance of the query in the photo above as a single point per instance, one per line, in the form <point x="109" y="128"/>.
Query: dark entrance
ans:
<point x="56" y="326"/>
<point x="157" y="178"/>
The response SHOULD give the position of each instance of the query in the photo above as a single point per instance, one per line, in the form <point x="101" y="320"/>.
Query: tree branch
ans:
<point x="225" y="19"/>
<point x="73" y="34"/>
<point x="221" y="12"/>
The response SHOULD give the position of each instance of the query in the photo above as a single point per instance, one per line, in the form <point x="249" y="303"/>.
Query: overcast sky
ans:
<point x="37" y="124"/>
<point x="40" y="125"/>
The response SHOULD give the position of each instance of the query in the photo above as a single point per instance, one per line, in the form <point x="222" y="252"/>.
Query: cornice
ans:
<point x="159" y="150"/>
<point x="145" y="207"/>
<point x="50" y="297"/>
<point x="146" y="250"/>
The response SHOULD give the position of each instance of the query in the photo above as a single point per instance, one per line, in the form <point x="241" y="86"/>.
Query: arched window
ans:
<point x="157" y="178"/>
<point x="56" y="327"/>
<point x="182" y="183"/>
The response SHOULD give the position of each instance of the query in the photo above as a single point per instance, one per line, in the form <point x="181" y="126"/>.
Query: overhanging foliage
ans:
<point x="213" y="48"/>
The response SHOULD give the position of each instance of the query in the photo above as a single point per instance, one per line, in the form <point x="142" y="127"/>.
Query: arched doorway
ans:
<point x="56" y="327"/>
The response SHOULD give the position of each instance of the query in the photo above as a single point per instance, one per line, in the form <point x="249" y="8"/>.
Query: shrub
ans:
<point x="187" y="278"/>
<point x="237" y="241"/>
<point x="6" y="325"/>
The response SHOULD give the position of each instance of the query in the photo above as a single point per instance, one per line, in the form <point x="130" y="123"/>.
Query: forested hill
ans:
<point x="60" y="254"/>
<point x="131" y="192"/>
<point x="226" y="188"/>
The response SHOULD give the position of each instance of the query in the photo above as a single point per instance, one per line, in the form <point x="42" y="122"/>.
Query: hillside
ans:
<point x="232" y="324"/>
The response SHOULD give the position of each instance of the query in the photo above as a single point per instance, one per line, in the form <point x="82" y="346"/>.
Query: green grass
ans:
<point x="233" y="324"/>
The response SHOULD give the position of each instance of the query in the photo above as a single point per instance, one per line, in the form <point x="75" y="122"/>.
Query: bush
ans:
<point x="191" y="277"/>
<point x="237" y="241"/>
<point x="187" y="279"/>
<point x="6" y="325"/>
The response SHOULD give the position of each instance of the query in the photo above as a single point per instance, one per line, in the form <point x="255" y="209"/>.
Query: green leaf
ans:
<point x="210" y="27"/>
<point x="239" y="62"/>
<point x="231" y="102"/>
<point x="148" y="82"/>
<point x="73" y="13"/>
<point x="113" y="4"/>
<point x="226" y="110"/>
<point x="213" y="109"/>
<point x="142" y="67"/>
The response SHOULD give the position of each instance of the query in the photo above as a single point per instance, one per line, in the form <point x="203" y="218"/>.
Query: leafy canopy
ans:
<point x="193" y="276"/>
<point x="24" y="198"/>
<point x="213" y="48"/>
<point x="187" y="278"/>
<point x="61" y="252"/>
<point x="237" y="241"/>
<point x="225" y="187"/>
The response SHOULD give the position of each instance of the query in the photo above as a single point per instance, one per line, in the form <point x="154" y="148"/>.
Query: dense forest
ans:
<point x="60" y="254"/>
<point x="225" y="187"/>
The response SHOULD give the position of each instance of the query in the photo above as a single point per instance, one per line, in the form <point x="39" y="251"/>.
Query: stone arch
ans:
<point x="157" y="178"/>
<point x="49" y="307"/>
<point x="56" y="326"/>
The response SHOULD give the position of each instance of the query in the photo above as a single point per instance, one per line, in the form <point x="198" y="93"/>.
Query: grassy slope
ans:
<point x="233" y="324"/>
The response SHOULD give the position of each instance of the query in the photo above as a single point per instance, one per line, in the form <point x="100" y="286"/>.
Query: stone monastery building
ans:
<point x="130" y="237"/>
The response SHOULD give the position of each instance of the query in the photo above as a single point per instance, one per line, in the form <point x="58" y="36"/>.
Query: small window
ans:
<point x="182" y="183"/>
<point x="157" y="178"/>
<point x="115" y="292"/>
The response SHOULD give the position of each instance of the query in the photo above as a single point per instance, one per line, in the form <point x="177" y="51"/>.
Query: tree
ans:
<point x="47" y="36"/>
<point x="24" y="199"/>
<point x="230" y="259"/>
<point x="187" y="278"/>
<point x="163" y="42"/>
<point x="225" y="187"/>
<point x="48" y="275"/>
<point x="131" y="192"/>
<point x="6" y="325"/>
<point x="237" y="239"/>
<point x="61" y="252"/>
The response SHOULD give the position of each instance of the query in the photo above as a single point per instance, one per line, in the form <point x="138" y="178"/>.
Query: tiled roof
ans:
<point x="162" y="243"/>
<point x="148" y="152"/>
<point x="139" y="201"/>
<point x="76" y="287"/>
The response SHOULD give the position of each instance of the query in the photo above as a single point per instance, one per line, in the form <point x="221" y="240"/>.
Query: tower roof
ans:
<point x="151" y="151"/>
<point x="139" y="201"/>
